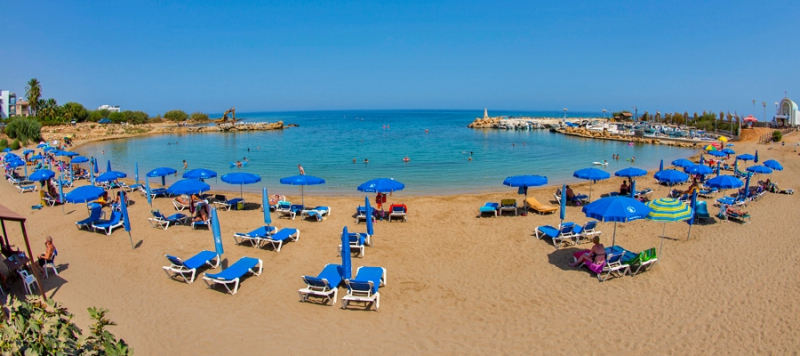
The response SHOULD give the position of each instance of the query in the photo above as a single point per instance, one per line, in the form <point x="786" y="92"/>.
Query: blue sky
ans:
<point x="300" y="55"/>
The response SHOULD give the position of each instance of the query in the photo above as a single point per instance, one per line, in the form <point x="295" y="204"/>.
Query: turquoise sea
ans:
<point x="326" y="142"/>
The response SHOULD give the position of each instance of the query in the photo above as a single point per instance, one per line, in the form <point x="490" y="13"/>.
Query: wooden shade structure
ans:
<point x="7" y="214"/>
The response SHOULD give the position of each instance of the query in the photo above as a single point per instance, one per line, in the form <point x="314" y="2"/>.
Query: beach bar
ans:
<point x="7" y="214"/>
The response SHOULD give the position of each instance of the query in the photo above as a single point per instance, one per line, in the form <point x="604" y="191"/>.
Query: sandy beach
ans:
<point x="457" y="283"/>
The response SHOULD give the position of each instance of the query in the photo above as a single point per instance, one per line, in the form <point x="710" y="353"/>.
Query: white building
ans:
<point x="8" y="104"/>
<point x="110" y="108"/>
<point x="788" y="113"/>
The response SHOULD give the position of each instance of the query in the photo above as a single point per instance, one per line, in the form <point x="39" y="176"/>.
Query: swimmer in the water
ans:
<point x="426" y="130"/>
<point x="366" y="160"/>
<point x="239" y="164"/>
<point x="185" y="165"/>
<point x="244" y="159"/>
<point x="354" y="160"/>
<point x="470" y="158"/>
<point x="406" y="159"/>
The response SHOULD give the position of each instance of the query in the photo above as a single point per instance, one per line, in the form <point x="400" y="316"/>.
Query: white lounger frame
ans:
<point x="177" y="270"/>
<point x="322" y="292"/>
<point x="364" y="296"/>
<point x="212" y="281"/>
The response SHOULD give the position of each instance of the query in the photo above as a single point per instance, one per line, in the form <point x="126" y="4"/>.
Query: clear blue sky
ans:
<point x="265" y="56"/>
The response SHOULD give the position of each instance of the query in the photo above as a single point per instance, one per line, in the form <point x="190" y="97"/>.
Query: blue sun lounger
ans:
<point x="232" y="274"/>
<point x="357" y="243"/>
<point x="324" y="285"/>
<point x="180" y="268"/>
<point x="277" y="239"/>
<point x="95" y="214"/>
<point x="159" y="220"/>
<point x="255" y="237"/>
<point x="490" y="208"/>
<point x="564" y="233"/>
<point x="109" y="225"/>
<point x="318" y="212"/>
<point x="364" y="287"/>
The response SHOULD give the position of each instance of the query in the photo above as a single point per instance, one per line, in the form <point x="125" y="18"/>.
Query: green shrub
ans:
<point x="135" y="117"/>
<point x="45" y="328"/>
<point x="24" y="128"/>
<point x="3" y="143"/>
<point x="777" y="136"/>
<point x="176" y="115"/>
<point x="116" y="117"/>
<point x="198" y="116"/>
<point x="15" y="144"/>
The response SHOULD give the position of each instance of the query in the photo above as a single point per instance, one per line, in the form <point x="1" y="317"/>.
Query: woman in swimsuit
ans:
<point x="596" y="255"/>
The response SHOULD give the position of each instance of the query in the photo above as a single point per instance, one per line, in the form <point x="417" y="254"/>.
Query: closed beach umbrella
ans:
<point x="668" y="210"/>
<point x="147" y="192"/>
<point x="161" y="172"/>
<point x="563" y="199"/>
<point x="616" y="209"/>
<point x="136" y="172"/>
<point x="83" y="194"/>
<point x="702" y="161"/>
<point x="241" y="179"/>
<point x="215" y="231"/>
<point x="759" y="169"/>
<point x="755" y="159"/>
<point x="303" y="180"/>
<point x="699" y="169"/>
<point x="41" y="175"/>
<point x="773" y="164"/>
<point x="747" y="184"/>
<point x="61" y="194"/>
<point x="265" y="205"/>
<point x="188" y="186"/>
<point x="378" y="185"/>
<point x="719" y="164"/>
<point x="368" y="208"/>
<point x="591" y="174"/>
<point x="724" y="182"/>
<point x="200" y="173"/>
<point x="671" y="176"/>
<point x="108" y="166"/>
<point x="682" y="162"/>
<point x="661" y="166"/>
<point x="94" y="163"/>
<point x="126" y="220"/>
<point x="346" y="268"/>
<point x="716" y="153"/>
<point x="694" y="213"/>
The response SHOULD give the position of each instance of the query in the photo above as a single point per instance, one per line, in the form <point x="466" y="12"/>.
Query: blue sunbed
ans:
<point x="95" y="214"/>
<point x="277" y="239"/>
<point x="364" y="287"/>
<point x="560" y="235"/>
<point x="180" y="268"/>
<point x="490" y="207"/>
<point x="325" y="285"/>
<point x="255" y="237"/>
<point x="109" y="225"/>
<point x="233" y="273"/>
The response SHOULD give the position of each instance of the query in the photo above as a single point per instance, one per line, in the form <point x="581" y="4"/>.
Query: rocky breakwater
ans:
<point x="605" y="135"/>
<point x="487" y="123"/>
<point x="230" y="127"/>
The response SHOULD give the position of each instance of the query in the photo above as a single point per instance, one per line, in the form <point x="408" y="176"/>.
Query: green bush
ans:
<point x="24" y="128"/>
<point x="777" y="136"/>
<point x="198" y="116"/>
<point x="3" y="143"/>
<point x="45" y="328"/>
<point x="135" y="117"/>
<point x="117" y="117"/>
<point x="15" y="144"/>
<point x="176" y="115"/>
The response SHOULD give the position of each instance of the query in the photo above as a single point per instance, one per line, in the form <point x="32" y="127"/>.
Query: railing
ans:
<point x="767" y="138"/>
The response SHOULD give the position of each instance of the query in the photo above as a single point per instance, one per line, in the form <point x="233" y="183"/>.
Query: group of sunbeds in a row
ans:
<point x="510" y="205"/>
<point x="397" y="211"/>
<point x="363" y="288"/>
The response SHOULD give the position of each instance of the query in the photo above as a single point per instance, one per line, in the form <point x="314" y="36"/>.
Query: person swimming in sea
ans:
<point x="354" y="160"/>
<point x="406" y="159"/>
<point x="238" y="164"/>
<point x="185" y="165"/>
<point x="366" y="160"/>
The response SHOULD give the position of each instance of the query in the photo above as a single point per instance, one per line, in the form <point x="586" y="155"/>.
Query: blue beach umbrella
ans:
<point x="147" y="192"/>
<point x="630" y="172"/>
<point x="126" y="220"/>
<point x="67" y="154"/>
<point x="701" y="159"/>
<point x="94" y="163"/>
<point x="27" y="151"/>
<point x="61" y="195"/>
<point x="108" y="166"/>
<point x="759" y="169"/>
<point x="682" y="162"/>
<point x="161" y="172"/>
<point x="35" y="157"/>
<point x="41" y="175"/>
<point x="699" y="169"/>
<point x="200" y="173"/>
<point x="661" y="166"/>
<point x="265" y="205"/>
<point x="563" y="199"/>
<point x="671" y="176"/>
<point x="49" y="149"/>
<point x="41" y="145"/>
<point x="729" y="151"/>
<point x="368" y="208"/>
<point x="716" y="153"/>
<point x="755" y="159"/>
<point x="241" y="179"/>
<point x="616" y="209"/>
<point x="724" y="182"/>
<point x="107" y="177"/>
<point x="525" y="181"/>
<point x="215" y="231"/>
<point x="14" y="163"/>
<point x="746" y="157"/>
<point x="136" y="172"/>
<point x="303" y="180"/>
<point x="591" y="174"/>
<point x="83" y="194"/>
<point x="347" y="269"/>
<point x="747" y="184"/>
<point x="633" y="189"/>
<point x="668" y="210"/>
<point x="188" y="186"/>
<point x="729" y="145"/>
<point x="719" y="164"/>
<point x="377" y="185"/>
<point x="6" y="149"/>
<point x="773" y="164"/>
<point x="694" y="213"/>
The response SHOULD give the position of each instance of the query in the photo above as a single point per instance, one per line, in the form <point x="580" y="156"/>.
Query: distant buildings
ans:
<point x="110" y="108"/>
<point x="788" y="113"/>
<point x="23" y="108"/>
<point x="8" y="104"/>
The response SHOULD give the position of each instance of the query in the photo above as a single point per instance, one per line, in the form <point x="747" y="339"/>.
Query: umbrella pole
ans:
<point x="614" y="238"/>
<point x="303" y="195"/>
<point x="130" y="239"/>
<point x="241" y="191"/>
<point x="690" y="232"/>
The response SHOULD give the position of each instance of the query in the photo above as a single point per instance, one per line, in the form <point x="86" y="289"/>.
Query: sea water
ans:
<point x="438" y="144"/>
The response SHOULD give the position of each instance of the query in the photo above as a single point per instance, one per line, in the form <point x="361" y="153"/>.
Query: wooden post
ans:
<point x="35" y="271"/>
<point x="3" y="224"/>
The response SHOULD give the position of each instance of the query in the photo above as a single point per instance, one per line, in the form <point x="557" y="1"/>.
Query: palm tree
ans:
<point x="33" y="91"/>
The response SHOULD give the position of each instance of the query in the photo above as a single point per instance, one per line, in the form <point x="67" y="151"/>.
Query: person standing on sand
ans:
<point x="302" y="171"/>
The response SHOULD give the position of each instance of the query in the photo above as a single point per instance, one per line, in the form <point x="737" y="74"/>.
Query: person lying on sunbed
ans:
<point x="183" y="199"/>
<point x="202" y="213"/>
<point x="732" y="211"/>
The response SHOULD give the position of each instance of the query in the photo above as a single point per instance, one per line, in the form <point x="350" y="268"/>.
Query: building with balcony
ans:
<point x="110" y="108"/>
<point x="8" y="104"/>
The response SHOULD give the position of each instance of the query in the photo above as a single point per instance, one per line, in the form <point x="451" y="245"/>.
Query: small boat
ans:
<point x="600" y="163"/>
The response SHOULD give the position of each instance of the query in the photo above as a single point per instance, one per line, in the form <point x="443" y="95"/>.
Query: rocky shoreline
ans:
<point x="605" y="135"/>
<point x="93" y="131"/>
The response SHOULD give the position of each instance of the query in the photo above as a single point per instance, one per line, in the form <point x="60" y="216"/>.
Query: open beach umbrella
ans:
<point x="755" y="159"/>
<point x="188" y="186"/>
<point x="671" y="176"/>
<point x="14" y="163"/>
<point x="699" y="169"/>
<point x="716" y="153"/>
<point x="728" y="151"/>
<point x="27" y="151"/>
<point x="79" y="159"/>
<point x="616" y="209"/>
<point x="302" y="180"/>
<point x="161" y="172"/>
<point x="668" y="210"/>
<point x="107" y="177"/>
<point x="6" y="150"/>
<point x="746" y="157"/>
<point x="759" y="169"/>
<point x="591" y="174"/>
<point x="729" y="145"/>
<point x="200" y="173"/>
<point x="723" y="139"/>
<point x="368" y="208"/>
<point x="346" y="268"/>
<point x="265" y="205"/>
<point x="724" y="182"/>
<point x="215" y="231"/>
<point x="35" y="157"/>
<point x="83" y="194"/>
<point x="136" y="172"/>
<point x="773" y="164"/>
<point x="147" y="192"/>
<point x="241" y="179"/>
<point x="41" y="144"/>
<point x="67" y="154"/>
<point x="126" y="220"/>
<point x="630" y="172"/>
<point x="377" y="185"/>
<point x="682" y="162"/>
<point x="525" y="181"/>
<point x="41" y="175"/>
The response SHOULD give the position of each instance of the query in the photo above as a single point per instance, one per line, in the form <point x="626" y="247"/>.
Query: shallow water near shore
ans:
<point x="326" y="142"/>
